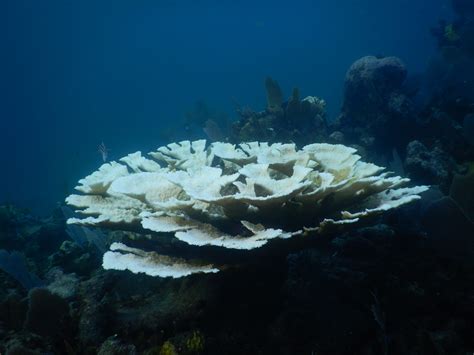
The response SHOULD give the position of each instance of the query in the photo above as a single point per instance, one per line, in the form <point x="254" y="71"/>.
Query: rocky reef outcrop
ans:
<point x="296" y="120"/>
<point x="377" y="113"/>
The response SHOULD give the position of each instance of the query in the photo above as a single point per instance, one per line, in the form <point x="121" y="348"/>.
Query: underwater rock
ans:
<point x="61" y="284"/>
<point x="445" y="341"/>
<point x="75" y="259"/>
<point x="462" y="191"/>
<point x="322" y="297"/>
<point x="371" y="78"/>
<point x="298" y="120"/>
<point x="28" y="242"/>
<point x="13" y="310"/>
<point x="17" y="349"/>
<point x="430" y="166"/>
<point x="468" y="128"/>
<point x="25" y="343"/>
<point x="140" y="310"/>
<point x="365" y="243"/>
<point x="443" y="130"/>
<point x="114" y="346"/>
<point x="375" y="104"/>
<point x="451" y="78"/>
<point x="449" y="229"/>
<point x="96" y="309"/>
<point x="325" y="188"/>
<point x="47" y="313"/>
<point x="144" y="306"/>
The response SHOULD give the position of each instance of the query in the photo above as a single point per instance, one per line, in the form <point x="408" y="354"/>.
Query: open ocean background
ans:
<point x="78" y="73"/>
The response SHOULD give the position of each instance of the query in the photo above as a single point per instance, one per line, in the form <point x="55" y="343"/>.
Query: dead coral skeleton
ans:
<point x="232" y="196"/>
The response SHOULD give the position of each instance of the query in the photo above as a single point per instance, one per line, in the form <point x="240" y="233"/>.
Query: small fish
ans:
<point x="104" y="152"/>
<point x="213" y="131"/>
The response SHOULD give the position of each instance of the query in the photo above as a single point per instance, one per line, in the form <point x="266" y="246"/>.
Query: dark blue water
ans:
<point x="76" y="73"/>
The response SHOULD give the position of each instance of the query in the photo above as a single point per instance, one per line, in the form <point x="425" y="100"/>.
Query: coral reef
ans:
<point x="400" y="283"/>
<point x="376" y="112"/>
<point x="116" y="347"/>
<point x="195" y="343"/>
<point x="235" y="197"/>
<point x="452" y="76"/>
<point x="433" y="166"/>
<point x="297" y="120"/>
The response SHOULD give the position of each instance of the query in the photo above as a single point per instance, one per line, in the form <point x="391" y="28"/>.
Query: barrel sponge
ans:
<point x="232" y="196"/>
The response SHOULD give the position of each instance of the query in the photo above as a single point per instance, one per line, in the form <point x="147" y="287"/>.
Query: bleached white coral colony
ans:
<point x="227" y="196"/>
